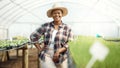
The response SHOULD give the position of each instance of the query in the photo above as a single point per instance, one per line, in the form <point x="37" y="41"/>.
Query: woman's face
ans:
<point x="57" y="15"/>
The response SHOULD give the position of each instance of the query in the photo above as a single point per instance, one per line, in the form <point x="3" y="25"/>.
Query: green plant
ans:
<point x="79" y="49"/>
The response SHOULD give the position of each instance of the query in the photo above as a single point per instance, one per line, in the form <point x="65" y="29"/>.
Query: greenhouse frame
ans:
<point x="88" y="18"/>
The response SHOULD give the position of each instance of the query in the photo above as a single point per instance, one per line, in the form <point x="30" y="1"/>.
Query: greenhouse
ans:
<point x="95" y="25"/>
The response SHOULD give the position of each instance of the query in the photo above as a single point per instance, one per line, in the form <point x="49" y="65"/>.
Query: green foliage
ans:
<point x="4" y="43"/>
<point x="16" y="42"/>
<point x="79" y="49"/>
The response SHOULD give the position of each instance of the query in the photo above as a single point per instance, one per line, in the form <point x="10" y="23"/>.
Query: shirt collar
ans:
<point x="61" y="25"/>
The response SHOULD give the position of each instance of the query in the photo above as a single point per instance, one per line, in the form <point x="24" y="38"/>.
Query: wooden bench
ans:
<point x="4" y="55"/>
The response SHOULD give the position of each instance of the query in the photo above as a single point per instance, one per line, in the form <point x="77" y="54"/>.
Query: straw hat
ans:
<point x="57" y="6"/>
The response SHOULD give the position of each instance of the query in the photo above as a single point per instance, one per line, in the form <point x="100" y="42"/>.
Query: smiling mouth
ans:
<point x="57" y="17"/>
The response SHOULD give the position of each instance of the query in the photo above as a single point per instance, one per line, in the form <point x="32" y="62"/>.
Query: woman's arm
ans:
<point x="37" y="45"/>
<point x="57" y="54"/>
<point x="36" y="35"/>
<point x="64" y="48"/>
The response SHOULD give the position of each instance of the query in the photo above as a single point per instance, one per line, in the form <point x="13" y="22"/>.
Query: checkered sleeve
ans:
<point x="35" y="36"/>
<point x="70" y="38"/>
<point x="70" y="35"/>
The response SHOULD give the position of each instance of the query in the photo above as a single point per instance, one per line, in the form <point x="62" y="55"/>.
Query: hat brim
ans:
<point x="65" y="11"/>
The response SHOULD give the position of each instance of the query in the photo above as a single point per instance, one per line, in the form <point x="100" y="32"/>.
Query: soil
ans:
<point x="16" y="62"/>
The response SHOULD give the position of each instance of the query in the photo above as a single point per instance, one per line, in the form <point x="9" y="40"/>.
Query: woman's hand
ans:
<point x="56" y="57"/>
<point x="39" y="46"/>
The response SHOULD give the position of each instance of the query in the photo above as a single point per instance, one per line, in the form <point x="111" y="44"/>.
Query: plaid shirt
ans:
<point x="62" y="37"/>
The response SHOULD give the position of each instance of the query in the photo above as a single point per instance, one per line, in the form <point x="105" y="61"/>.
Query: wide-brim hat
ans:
<point x="57" y="6"/>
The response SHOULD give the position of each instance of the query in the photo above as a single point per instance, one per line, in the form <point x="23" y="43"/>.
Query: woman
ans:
<point x="56" y="36"/>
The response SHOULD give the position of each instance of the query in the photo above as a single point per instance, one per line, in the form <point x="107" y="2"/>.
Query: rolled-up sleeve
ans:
<point x="70" y="35"/>
<point x="70" y="38"/>
<point x="36" y="35"/>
